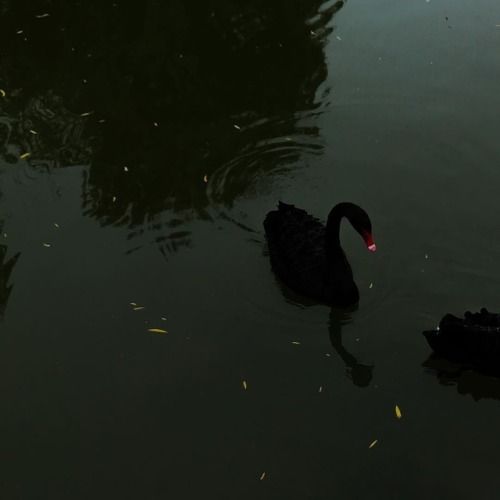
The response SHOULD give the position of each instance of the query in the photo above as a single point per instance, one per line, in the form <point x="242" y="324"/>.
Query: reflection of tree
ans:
<point x="468" y="380"/>
<point x="5" y="272"/>
<point x="170" y="79"/>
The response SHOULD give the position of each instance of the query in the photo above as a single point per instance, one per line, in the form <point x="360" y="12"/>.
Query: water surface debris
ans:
<point x="371" y="285"/>
<point x="373" y="443"/>
<point x="125" y="169"/>
<point x="47" y="245"/>
<point x="163" y="318"/>
<point x="295" y="342"/>
<point x="56" y="225"/>
<point x="132" y="303"/>
<point x="205" y="178"/>
<point x="244" y="384"/>
<point x="156" y="124"/>
<point x="24" y="156"/>
<point x="138" y="308"/>
<point x="397" y="411"/>
<point x="157" y="330"/>
<point x="41" y="16"/>
<point x="87" y="113"/>
<point x="262" y="476"/>
<point x="34" y="132"/>
<point x="320" y="388"/>
<point x="2" y="92"/>
<point x="237" y="127"/>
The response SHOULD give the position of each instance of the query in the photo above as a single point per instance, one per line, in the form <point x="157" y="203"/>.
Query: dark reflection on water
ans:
<point x="360" y="373"/>
<point x="162" y="98"/>
<point x="467" y="380"/>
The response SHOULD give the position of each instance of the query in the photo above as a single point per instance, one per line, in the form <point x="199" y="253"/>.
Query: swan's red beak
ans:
<point x="369" y="242"/>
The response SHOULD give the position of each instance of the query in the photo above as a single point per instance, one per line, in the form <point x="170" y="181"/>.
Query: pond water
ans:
<point x="142" y="144"/>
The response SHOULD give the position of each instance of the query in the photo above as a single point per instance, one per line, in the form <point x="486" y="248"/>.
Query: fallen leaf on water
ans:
<point x="262" y="476"/>
<point x="24" y="156"/>
<point x="46" y="245"/>
<point x="371" y="285"/>
<point x="101" y="121"/>
<point x="295" y="342"/>
<point x="155" y="124"/>
<point x="125" y="169"/>
<point x="133" y="304"/>
<point x="163" y="318"/>
<point x="245" y="385"/>
<point x="205" y="178"/>
<point x="397" y="410"/>
<point x="2" y="92"/>
<point x="320" y="388"/>
<point x="157" y="330"/>
<point x="138" y="308"/>
<point x="41" y="16"/>
<point x="56" y="225"/>
<point x="237" y="127"/>
<point x="34" y="132"/>
<point x="373" y="443"/>
<point x="87" y="113"/>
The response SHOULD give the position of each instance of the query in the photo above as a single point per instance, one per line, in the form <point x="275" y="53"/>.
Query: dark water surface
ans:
<point x="159" y="134"/>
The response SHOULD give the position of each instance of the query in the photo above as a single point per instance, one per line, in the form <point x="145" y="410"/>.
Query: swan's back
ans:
<point x="297" y="251"/>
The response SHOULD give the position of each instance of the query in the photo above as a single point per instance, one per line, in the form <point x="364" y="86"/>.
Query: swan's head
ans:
<point x="368" y="238"/>
<point x="357" y="217"/>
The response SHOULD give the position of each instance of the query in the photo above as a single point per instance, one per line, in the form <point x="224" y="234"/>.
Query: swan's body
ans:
<point x="307" y="256"/>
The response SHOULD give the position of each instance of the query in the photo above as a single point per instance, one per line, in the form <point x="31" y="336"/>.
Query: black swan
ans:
<point x="307" y="256"/>
<point x="473" y="339"/>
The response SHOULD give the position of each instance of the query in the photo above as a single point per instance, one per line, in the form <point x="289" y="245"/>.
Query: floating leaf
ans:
<point x="34" y="132"/>
<point x="262" y="476"/>
<point x="205" y="178"/>
<point x="56" y="225"/>
<point x="295" y="342"/>
<point x="163" y="318"/>
<point x="138" y="308"/>
<point x="373" y="443"/>
<point x="24" y="156"/>
<point x="2" y="92"/>
<point x="46" y="245"/>
<point x="397" y="410"/>
<point x="371" y="285"/>
<point x="157" y="330"/>
<point x="237" y="127"/>
<point x="245" y="385"/>
<point x="133" y="304"/>
<point x="87" y="113"/>
<point x="41" y="16"/>
<point x="320" y="388"/>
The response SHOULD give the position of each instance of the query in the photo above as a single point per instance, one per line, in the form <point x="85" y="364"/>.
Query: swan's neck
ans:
<point x="333" y="233"/>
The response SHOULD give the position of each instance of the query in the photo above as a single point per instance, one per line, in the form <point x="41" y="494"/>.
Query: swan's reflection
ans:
<point x="484" y="384"/>
<point x="360" y="374"/>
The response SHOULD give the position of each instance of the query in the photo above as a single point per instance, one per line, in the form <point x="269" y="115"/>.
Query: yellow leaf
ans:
<point x="373" y="443"/>
<point x="157" y="330"/>
<point x="398" y="411"/>
<point x="24" y="156"/>
<point x="245" y="385"/>
<point x="2" y="92"/>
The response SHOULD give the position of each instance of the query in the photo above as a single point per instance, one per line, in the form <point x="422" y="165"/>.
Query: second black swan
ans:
<point x="307" y="255"/>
